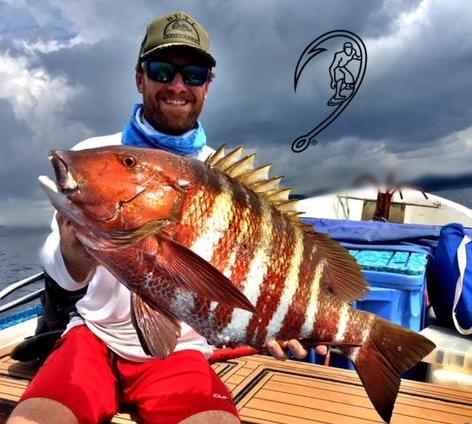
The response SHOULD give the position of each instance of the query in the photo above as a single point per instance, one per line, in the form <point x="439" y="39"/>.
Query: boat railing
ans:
<point x="23" y="299"/>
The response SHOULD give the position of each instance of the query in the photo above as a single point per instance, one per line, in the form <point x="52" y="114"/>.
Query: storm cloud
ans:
<point x="67" y="73"/>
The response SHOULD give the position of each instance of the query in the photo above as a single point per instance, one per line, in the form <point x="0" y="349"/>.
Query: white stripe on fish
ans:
<point x="290" y="286"/>
<point x="217" y="224"/>
<point x="342" y="323"/>
<point x="312" y="309"/>
<point x="254" y="279"/>
<point x="365" y="335"/>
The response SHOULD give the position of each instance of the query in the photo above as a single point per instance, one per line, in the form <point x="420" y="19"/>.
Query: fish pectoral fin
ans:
<point x="198" y="276"/>
<point x="157" y="331"/>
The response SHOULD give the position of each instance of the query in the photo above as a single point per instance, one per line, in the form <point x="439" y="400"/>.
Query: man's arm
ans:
<point x="77" y="260"/>
<point x="64" y="258"/>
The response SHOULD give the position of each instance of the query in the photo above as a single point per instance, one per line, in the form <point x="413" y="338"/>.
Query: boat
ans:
<point x="408" y="206"/>
<point x="270" y="391"/>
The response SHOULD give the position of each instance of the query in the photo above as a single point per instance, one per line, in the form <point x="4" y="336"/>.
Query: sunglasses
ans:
<point x="160" y="71"/>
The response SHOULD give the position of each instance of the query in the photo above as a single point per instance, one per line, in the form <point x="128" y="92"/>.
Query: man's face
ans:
<point x="173" y="107"/>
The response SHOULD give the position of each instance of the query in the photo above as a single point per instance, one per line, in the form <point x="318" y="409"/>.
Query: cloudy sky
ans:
<point x="66" y="73"/>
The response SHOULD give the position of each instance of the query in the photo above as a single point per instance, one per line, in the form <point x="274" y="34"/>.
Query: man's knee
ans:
<point x="41" y="410"/>
<point x="212" y="417"/>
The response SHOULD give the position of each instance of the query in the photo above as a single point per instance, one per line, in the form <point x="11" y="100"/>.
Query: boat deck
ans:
<point x="269" y="391"/>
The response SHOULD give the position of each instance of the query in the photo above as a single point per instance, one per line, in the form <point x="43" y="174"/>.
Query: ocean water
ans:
<point x="19" y="259"/>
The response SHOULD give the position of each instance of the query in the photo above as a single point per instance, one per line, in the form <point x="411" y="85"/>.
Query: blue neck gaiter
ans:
<point x="139" y="133"/>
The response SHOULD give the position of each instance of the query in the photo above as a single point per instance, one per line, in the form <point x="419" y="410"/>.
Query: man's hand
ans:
<point x="78" y="261"/>
<point x="278" y="349"/>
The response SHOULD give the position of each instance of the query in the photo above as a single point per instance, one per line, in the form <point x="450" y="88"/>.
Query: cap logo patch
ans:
<point x="181" y="27"/>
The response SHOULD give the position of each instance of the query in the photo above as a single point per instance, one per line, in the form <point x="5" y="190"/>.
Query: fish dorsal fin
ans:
<point x="228" y="160"/>
<point x="216" y="156"/>
<point x="267" y="185"/>
<point x="294" y="214"/>
<point x="255" y="176"/>
<point x="241" y="168"/>
<point x="345" y="277"/>
<point x="280" y="195"/>
<point x="287" y="205"/>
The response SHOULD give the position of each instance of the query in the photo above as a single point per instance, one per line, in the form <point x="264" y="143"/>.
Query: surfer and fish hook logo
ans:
<point x="348" y="62"/>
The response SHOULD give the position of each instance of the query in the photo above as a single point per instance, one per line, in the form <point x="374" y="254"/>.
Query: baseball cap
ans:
<point x="175" y="29"/>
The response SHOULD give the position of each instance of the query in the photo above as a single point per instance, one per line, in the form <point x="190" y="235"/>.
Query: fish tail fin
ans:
<point x="389" y="351"/>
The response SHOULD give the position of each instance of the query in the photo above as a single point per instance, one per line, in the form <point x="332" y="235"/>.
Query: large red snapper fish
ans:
<point x="219" y="246"/>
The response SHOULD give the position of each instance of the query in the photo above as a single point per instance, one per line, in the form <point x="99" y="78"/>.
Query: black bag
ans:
<point x="58" y="309"/>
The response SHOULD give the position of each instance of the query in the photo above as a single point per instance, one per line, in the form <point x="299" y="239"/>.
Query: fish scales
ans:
<point x="194" y="211"/>
<point x="222" y="233"/>
<point x="272" y="286"/>
<point x="197" y="206"/>
<point x="241" y="247"/>
<point x="213" y="228"/>
<point x="296" y="314"/>
<point x="337" y="321"/>
<point x="235" y="230"/>
<point x="237" y="328"/>
<point x="173" y="230"/>
<point x="363" y="326"/>
<point x="289" y="286"/>
<point x="328" y="317"/>
<point x="359" y="326"/>
<point x="312" y="307"/>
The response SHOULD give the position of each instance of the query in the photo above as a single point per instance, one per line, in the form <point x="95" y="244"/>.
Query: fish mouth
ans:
<point x="59" y="191"/>
<point x="65" y="181"/>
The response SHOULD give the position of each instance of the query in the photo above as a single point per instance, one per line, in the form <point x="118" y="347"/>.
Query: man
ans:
<point x="99" y="362"/>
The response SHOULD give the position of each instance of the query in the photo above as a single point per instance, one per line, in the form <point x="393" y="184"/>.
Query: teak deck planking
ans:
<point x="268" y="391"/>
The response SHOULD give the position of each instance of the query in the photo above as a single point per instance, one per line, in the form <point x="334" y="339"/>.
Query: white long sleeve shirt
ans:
<point x="105" y="308"/>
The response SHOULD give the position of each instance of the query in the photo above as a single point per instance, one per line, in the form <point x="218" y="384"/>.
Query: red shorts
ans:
<point x="84" y="375"/>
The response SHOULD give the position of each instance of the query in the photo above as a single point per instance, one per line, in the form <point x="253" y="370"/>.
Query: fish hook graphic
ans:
<point x="313" y="49"/>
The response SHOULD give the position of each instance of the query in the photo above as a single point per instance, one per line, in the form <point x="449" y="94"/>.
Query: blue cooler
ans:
<point x="397" y="281"/>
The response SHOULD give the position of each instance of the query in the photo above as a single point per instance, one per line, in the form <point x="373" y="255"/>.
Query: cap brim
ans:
<point x="206" y="55"/>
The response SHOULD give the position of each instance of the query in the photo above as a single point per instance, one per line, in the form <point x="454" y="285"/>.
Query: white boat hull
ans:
<point x="412" y="209"/>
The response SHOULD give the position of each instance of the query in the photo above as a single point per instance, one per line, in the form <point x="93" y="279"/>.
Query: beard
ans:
<point x="170" y="119"/>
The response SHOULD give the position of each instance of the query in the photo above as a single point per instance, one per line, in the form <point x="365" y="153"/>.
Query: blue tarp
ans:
<point x="377" y="235"/>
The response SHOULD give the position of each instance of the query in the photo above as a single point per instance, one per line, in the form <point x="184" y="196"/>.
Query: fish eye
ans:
<point x="128" y="161"/>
